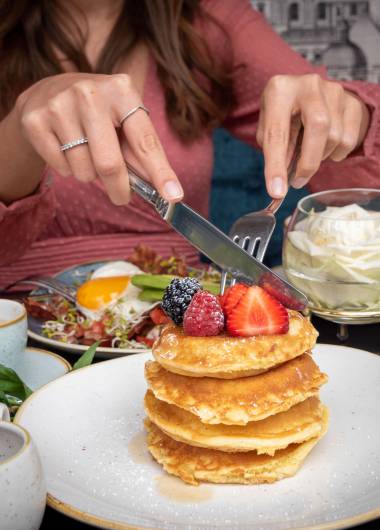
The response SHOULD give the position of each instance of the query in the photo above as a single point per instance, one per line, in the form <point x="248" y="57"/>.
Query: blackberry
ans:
<point x="177" y="297"/>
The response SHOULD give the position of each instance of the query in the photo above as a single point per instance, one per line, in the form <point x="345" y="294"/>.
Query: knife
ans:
<point x="216" y="245"/>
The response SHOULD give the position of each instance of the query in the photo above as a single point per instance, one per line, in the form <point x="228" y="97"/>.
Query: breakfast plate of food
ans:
<point x="99" y="469"/>
<point x="236" y="420"/>
<point x="117" y="304"/>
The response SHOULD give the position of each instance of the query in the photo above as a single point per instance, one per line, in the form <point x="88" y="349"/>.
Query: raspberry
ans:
<point x="178" y="296"/>
<point x="204" y="316"/>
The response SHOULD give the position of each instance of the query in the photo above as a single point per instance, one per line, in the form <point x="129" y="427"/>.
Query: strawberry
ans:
<point x="276" y="289"/>
<point x="158" y="316"/>
<point x="257" y="313"/>
<point x="232" y="296"/>
<point x="204" y="317"/>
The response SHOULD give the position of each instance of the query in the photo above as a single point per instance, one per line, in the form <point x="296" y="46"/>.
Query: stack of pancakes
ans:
<point x="239" y="410"/>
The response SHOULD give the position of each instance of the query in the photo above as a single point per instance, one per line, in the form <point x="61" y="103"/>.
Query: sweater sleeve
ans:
<point x="260" y="53"/>
<point x="22" y="221"/>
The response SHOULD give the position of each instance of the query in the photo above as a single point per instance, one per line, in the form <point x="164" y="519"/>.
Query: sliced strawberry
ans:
<point x="257" y="313"/>
<point x="274" y="287"/>
<point x="158" y="316"/>
<point x="232" y="297"/>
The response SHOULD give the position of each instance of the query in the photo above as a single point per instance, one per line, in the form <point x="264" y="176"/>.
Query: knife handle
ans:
<point x="141" y="187"/>
<point x="148" y="192"/>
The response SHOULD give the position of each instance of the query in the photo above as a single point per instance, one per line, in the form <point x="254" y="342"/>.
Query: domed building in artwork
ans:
<point x="344" y="35"/>
<point x="343" y="58"/>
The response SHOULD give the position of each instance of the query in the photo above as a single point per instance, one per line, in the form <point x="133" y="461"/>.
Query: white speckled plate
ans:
<point x="88" y="429"/>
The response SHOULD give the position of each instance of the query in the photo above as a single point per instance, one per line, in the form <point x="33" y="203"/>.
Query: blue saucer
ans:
<point x="38" y="367"/>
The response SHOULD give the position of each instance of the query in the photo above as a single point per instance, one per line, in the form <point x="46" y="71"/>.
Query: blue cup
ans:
<point x="13" y="332"/>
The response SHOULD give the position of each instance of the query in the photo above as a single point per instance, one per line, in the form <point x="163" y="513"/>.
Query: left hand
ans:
<point x="335" y="123"/>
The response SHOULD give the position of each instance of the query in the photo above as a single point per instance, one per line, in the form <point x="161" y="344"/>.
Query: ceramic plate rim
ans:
<point x="96" y="521"/>
<point x="100" y="522"/>
<point x="58" y="357"/>
<point x="81" y="348"/>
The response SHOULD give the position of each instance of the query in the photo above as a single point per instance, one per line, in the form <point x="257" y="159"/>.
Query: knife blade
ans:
<point x="216" y="245"/>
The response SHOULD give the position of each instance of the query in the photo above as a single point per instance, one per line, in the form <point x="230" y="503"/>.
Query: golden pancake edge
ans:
<point x="197" y="464"/>
<point x="238" y="401"/>
<point x="228" y="357"/>
<point x="298" y="424"/>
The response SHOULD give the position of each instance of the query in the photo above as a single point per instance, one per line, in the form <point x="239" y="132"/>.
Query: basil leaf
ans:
<point x="11" y="384"/>
<point x="10" y="401"/>
<point x="87" y="358"/>
<point x="4" y="398"/>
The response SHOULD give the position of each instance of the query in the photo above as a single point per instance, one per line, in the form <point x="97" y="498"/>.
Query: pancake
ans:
<point x="296" y="425"/>
<point x="229" y="357"/>
<point x="196" y="464"/>
<point x="238" y="401"/>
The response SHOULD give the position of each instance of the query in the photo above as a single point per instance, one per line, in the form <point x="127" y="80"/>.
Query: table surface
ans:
<point x="363" y="337"/>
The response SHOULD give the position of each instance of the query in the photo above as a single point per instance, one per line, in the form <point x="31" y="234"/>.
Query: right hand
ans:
<point x="66" y="107"/>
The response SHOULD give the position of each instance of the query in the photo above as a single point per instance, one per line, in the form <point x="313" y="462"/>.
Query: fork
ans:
<point x="252" y="232"/>
<point x="53" y="285"/>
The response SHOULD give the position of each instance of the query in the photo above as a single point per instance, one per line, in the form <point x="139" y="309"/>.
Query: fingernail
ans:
<point x="278" y="187"/>
<point x="299" y="183"/>
<point x="172" y="190"/>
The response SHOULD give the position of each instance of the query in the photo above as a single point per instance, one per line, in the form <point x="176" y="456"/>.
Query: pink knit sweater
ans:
<point x="67" y="222"/>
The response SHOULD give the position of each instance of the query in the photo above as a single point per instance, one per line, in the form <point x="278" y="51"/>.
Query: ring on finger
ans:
<point x="132" y="111"/>
<point x="74" y="143"/>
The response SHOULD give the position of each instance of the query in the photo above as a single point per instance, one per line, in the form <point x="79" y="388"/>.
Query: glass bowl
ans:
<point x="332" y="253"/>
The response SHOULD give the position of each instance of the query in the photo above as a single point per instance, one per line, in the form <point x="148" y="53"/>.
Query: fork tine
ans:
<point x="224" y="277"/>
<point x="245" y="243"/>
<point x="58" y="287"/>
<point x="242" y="242"/>
<point x="255" y="243"/>
<point x="223" y="282"/>
<point x="55" y="283"/>
<point x="262" y="249"/>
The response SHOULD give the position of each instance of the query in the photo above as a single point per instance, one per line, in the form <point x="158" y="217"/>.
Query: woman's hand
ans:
<point x="66" y="107"/>
<point x="335" y="123"/>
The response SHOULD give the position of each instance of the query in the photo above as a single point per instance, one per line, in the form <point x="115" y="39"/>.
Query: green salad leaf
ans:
<point x="87" y="358"/>
<point x="10" y="401"/>
<point x="12" y="385"/>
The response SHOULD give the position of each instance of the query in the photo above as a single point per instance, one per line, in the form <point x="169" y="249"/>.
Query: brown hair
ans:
<point x="198" y="90"/>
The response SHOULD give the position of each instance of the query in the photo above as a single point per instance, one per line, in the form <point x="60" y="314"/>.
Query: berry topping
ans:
<point x="274" y="287"/>
<point x="177" y="297"/>
<point x="257" y="313"/>
<point x="232" y="296"/>
<point x="204" y="316"/>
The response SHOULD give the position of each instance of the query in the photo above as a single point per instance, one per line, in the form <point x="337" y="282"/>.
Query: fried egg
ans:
<point x="110" y="287"/>
<point x="116" y="268"/>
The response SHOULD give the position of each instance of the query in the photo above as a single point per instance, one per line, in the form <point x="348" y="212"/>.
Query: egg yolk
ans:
<point x="100" y="292"/>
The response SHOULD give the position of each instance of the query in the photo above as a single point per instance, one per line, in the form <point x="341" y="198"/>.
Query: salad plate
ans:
<point x="99" y="471"/>
<point x="75" y="276"/>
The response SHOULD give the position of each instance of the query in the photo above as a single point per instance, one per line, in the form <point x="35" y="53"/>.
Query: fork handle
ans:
<point x="276" y="203"/>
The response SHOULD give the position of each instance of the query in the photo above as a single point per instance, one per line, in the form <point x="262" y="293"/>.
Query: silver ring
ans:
<point x="132" y="111"/>
<point x="70" y="145"/>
